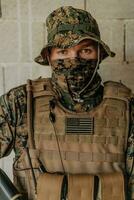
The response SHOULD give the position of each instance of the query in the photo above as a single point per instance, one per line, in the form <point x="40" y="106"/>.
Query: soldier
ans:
<point x="72" y="134"/>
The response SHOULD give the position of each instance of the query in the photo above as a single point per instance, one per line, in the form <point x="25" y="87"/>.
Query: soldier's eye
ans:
<point x="86" y="51"/>
<point x="62" y="52"/>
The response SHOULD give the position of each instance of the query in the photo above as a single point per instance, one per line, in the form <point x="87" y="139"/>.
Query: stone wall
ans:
<point x="23" y="34"/>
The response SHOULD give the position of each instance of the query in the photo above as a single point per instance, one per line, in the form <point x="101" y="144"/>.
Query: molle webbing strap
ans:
<point x="49" y="186"/>
<point x="80" y="187"/>
<point x="112" y="186"/>
<point x="29" y="115"/>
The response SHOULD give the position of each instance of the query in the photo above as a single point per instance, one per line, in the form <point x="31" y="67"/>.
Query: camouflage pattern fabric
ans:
<point x="130" y="154"/>
<point x="62" y="66"/>
<point x="76" y="73"/>
<point x="13" y="128"/>
<point x="66" y="27"/>
<point x="12" y="121"/>
<point x="73" y="75"/>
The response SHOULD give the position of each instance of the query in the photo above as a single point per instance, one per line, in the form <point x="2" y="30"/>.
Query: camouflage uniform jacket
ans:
<point x="13" y="126"/>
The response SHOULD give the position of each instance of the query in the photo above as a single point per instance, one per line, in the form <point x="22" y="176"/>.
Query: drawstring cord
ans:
<point x="53" y="119"/>
<point x="90" y="81"/>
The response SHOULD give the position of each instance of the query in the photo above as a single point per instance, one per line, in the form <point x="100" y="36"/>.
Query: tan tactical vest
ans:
<point x="90" y="143"/>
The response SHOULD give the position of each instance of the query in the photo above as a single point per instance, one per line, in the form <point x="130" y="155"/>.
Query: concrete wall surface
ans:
<point x="23" y="34"/>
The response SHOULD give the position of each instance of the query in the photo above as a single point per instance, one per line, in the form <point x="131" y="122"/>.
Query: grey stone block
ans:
<point x="9" y="9"/>
<point x="41" y="9"/>
<point x="118" y="72"/>
<point x="7" y="165"/>
<point x="25" y="42"/>
<point x="11" y="76"/>
<point x="24" y="10"/>
<point x="121" y="9"/>
<point x="40" y="71"/>
<point x="24" y="73"/>
<point x="1" y="81"/>
<point x="0" y="9"/>
<point x="9" y="44"/>
<point x="130" y="41"/>
<point x="112" y="34"/>
<point x="38" y="38"/>
<point x="18" y="73"/>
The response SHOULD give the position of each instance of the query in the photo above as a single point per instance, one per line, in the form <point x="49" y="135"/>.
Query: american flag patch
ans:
<point x="82" y="126"/>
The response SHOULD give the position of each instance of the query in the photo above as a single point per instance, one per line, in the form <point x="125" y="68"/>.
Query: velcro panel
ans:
<point x="80" y="187"/>
<point x="49" y="186"/>
<point x="79" y="125"/>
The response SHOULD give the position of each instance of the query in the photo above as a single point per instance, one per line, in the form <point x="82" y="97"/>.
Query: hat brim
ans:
<point x="42" y="59"/>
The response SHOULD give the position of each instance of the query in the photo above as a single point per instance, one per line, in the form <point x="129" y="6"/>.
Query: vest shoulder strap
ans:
<point x="36" y="88"/>
<point x="116" y="90"/>
<point x="40" y="87"/>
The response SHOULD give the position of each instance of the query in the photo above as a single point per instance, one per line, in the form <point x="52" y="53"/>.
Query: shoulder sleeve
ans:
<point x="12" y="109"/>
<point x="130" y="153"/>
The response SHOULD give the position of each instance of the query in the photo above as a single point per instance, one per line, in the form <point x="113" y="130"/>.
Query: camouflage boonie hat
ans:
<point x="66" y="27"/>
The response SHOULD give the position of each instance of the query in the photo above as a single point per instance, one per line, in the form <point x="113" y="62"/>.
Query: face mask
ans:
<point x="76" y="73"/>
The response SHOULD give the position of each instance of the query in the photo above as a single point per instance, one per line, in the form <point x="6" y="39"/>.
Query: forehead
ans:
<point x="81" y="44"/>
<point x="87" y="42"/>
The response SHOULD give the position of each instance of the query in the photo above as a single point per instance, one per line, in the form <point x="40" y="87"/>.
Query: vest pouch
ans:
<point x="49" y="186"/>
<point x="112" y="186"/>
<point x="80" y="187"/>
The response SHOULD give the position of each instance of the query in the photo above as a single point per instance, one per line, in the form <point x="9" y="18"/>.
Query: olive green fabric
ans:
<point x="66" y="27"/>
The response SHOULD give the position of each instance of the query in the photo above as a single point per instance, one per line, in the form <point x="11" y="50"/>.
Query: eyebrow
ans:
<point x="90" y="43"/>
<point x="61" y="49"/>
<point x="86" y="46"/>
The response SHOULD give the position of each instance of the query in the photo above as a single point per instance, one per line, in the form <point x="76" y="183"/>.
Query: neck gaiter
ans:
<point x="73" y="76"/>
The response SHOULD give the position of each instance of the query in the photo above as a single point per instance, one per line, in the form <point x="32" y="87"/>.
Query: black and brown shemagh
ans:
<point x="73" y="75"/>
